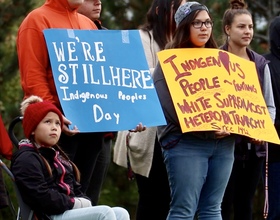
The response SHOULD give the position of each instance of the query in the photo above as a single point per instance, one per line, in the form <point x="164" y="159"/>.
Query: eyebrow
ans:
<point x="208" y="19"/>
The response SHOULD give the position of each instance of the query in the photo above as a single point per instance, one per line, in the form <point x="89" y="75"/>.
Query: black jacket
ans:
<point x="274" y="66"/>
<point x="46" y="194"/>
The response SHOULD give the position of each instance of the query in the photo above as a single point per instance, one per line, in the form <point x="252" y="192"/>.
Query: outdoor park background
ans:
<point x="121" y="15"/>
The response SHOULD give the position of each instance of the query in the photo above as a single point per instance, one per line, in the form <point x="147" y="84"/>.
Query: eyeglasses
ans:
<point x="198" y="24"/>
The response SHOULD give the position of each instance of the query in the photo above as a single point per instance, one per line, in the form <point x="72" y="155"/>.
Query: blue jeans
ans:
<point x="198" y="171"/>
<point x="100" y="212"/>
<point x="274" y="191"/>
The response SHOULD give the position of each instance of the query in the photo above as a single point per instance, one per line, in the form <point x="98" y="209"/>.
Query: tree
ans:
<point x="129" y="14"/>
<point x="11" y="13"/>
<point x="124" y="14"/>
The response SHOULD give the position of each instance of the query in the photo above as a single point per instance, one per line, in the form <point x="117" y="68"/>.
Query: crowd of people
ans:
<point x="180" y="175"/>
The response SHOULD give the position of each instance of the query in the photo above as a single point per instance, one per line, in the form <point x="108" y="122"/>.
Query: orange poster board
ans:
<point x="212" y="89"/>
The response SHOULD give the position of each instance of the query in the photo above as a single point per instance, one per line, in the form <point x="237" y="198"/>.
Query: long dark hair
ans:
<point x="181" y="37"/>
<point x="76" y="171"/>
<point x="160" y="20"/>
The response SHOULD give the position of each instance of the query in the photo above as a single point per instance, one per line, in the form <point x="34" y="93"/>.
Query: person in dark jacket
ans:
<point x="47" y="180"/>
<point x="92" y="10"/>
<point x="273" y="149"/>
<point x="249" y="153"/>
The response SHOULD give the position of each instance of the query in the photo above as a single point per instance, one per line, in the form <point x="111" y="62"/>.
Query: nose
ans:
<point x="248" y="29"/>
<point x="97" y="2"/>
<point x="54" y="127"/>
<point x="203" y="26"/>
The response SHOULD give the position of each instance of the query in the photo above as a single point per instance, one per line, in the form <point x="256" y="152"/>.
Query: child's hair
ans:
<point x="34" y="109"/>
<point x="237" y="7"/>
<point x="181" y="37"/>
<point x="65" y="157"/>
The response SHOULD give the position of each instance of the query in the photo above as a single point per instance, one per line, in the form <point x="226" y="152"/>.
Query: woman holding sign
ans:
<point x="249" y="153"/>
<point x="198" y="163"/>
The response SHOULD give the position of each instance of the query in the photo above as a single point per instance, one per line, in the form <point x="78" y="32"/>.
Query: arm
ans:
<point x="34" y="64"/>
<point x="268" y="93"/>
<point x="269" y="99"/>
<point x="150" y="48"/>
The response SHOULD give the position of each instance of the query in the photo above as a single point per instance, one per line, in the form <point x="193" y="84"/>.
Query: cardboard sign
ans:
<point x="212" y="89"/>
<point x="102" y="79"/>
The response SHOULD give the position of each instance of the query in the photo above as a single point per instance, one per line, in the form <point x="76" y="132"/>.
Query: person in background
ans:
<point x="6" y="150"/>
<point x="37" y="78"/>
<point x="47" y="179"/>
<point x="92" y="10"/>
<point x="249" y="153"/>
<point x="198" y="163"/>
<point x="143" y="149"/>
<point x="273" y="166"/>
<point x="6" y="146"/>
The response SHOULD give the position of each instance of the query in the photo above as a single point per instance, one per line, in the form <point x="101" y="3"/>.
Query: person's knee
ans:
<point x="121" y="213"/>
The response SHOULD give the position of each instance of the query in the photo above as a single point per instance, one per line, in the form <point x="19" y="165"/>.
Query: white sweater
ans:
<point x="141" y="144"/>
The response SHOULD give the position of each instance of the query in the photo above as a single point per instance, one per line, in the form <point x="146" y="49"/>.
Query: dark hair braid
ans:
<point x="238" y="4"/>
<point x="65" y="156"/>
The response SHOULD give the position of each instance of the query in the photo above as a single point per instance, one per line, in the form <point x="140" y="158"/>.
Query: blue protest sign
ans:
<point x="102" y="79"/>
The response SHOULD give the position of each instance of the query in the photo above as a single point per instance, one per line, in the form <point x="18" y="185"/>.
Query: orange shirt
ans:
<point x="34" y="63"/>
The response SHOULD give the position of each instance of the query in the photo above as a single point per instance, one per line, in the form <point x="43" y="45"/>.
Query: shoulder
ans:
<point x="257" y="57"/>
<point x="27" y="163"/>
<point x="32" y="19"/>
<point x="145" y="36"/>
<point x="144" y="33"/>
<point x="224" y="47"/>
<point x="86" y="22"/>
<point x="26" y="154"/>
<point x="271" y="57"/>
<point x="98" y="25"/>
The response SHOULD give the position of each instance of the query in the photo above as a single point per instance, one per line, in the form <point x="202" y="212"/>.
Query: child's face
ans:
<point x="48" y="131"/>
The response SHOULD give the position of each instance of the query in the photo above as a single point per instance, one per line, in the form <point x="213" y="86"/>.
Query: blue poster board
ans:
<point x="102" y="79"/>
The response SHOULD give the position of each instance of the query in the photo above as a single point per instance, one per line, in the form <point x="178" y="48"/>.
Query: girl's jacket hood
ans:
<point x="274" y="33"/>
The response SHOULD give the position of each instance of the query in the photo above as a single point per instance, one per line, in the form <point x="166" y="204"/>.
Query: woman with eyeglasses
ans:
<point x="198" y="163"/>
<point x="249" y="153"/>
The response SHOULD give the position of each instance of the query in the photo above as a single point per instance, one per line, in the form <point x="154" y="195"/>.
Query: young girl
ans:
<point x="48" y="181"/>
<point x="249" y="153"/>
<point x="198" y="163"/>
